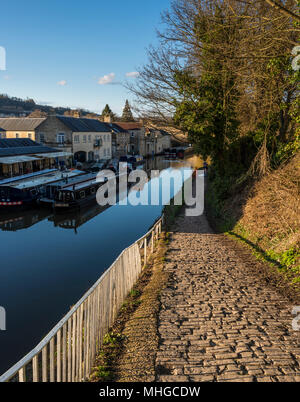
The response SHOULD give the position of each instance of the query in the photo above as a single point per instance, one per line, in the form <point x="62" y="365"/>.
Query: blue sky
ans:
<point x="76" y="53"/>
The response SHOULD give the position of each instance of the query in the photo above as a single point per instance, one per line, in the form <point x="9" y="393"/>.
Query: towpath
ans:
<point x="218" y="320"/>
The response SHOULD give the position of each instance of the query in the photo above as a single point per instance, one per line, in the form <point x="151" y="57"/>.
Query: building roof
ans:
<point x="20" y="123"/>
<point x="17" y="142"/>
<point x="84" y="125"/>
<point x="164" y="133"/>
<point x="130" y="126"/>
<point x="21" y="146"/>
<point x="116" y="128"/>
<point x="10" y="160"/>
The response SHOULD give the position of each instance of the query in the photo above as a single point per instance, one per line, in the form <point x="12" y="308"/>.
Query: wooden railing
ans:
<point x="68" y="352"/>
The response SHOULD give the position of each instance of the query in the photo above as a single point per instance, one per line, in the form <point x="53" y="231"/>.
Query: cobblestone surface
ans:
<point x="218" y="321"/>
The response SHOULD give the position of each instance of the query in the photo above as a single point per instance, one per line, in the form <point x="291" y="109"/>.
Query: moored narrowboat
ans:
<point x="77" y="194"/>
<point x="136" y="160"/>
<point x="80" y="193"/>
<point x="22" y="192"/>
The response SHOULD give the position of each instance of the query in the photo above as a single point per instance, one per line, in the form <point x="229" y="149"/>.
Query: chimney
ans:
<point x="107" y="119"/>
<point x="76" y="114"/>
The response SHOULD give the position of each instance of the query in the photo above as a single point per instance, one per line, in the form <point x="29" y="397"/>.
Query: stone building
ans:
<point x="137" y="132"/>
<point x="145" y="141"/>
<point x="20" y="127"/>
<point x="120" y="140"/>
<point x="87" y="139"/>
<point x="156" y="141"/>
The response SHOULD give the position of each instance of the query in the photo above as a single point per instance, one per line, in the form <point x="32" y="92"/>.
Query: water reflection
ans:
<point x="74" y="219"/>
<point x="47" y="267"/>
<point x="13" y="221"/>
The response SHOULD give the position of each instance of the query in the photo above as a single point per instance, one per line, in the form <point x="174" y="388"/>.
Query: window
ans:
<point x="29" y="135"/>
<point x="76" y="139"/>
<point x="90" y="138"/>
<point x="42" y="138"/>
<point x="17" y="135"/>
<point x="60" y="138"/>
<point x="84" y="139"/>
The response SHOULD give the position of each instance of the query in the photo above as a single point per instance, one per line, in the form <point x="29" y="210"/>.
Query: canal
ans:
<point x="49" y="261"/>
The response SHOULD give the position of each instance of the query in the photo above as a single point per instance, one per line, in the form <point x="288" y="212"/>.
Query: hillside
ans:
<point x="19" y="107"/>
<point x="266" y="216"/>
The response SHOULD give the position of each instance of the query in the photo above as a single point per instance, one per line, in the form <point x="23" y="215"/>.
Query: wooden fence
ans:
<point x="68" y="352"/>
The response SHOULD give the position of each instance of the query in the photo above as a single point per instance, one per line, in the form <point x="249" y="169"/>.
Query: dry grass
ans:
<point x="272" y="213"/>
<point x="266" y="216"/>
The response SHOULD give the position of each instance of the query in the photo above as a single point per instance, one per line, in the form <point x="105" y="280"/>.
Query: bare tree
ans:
<point x="284" y="10"/>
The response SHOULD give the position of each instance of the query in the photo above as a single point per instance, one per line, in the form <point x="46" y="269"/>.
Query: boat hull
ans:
<point x="78" y="204"/>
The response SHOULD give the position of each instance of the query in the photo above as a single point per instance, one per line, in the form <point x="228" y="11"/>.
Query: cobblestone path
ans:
<point x="218" y="321"/>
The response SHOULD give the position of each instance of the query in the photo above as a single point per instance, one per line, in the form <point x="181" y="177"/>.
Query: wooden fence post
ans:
<point x="145" y="252"/>
<point x="152" y="242"/>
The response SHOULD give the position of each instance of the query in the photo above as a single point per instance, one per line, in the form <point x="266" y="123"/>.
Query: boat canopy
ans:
<point x="10" y="160"/>
<point x="54" y="154"/>
<point x="44" y="179"/>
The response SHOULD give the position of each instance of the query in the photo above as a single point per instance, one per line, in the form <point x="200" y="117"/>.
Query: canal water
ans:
<point x="49" y="261"/>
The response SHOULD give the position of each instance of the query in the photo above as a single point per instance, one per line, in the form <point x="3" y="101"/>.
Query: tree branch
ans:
<point x="283" y="10"/>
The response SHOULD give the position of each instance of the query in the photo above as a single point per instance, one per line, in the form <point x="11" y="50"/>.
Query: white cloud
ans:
<point x="133" y="74"/>
<point x="107" y="79"/>
<point x="62" y="83"/>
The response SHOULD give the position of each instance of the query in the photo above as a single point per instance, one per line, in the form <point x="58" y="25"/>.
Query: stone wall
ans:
<point x="50" y="128"/>
<point x="86" y="142"/>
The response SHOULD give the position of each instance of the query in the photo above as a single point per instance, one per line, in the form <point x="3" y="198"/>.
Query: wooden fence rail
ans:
<point x="68" y="352"/>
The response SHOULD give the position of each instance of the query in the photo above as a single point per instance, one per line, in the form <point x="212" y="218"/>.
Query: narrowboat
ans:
<point x="170" y="153"/>
<point x="78" y="194"/>
<point x="174" y="153"/>
<point x="136" y="160"/>
<point x="180" y="153"/>
<point x="24" y="191"/>
<point x="52" y="189"/>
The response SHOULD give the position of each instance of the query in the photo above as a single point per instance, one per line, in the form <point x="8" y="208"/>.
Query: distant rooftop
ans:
<point x="84" y="125"/>
<point x="116" y="127"/>
<point x="20" y="123"/>
<point x="129" y="126"/>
